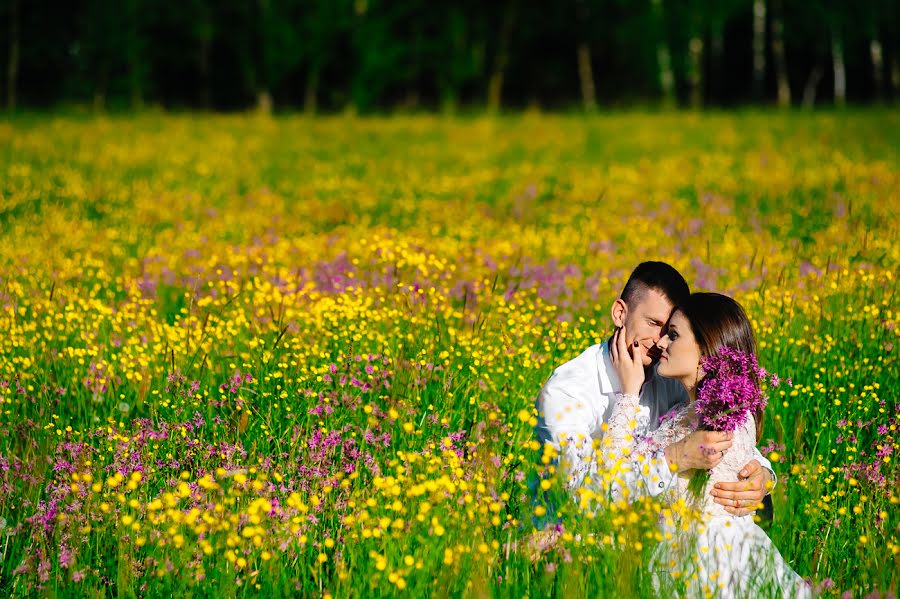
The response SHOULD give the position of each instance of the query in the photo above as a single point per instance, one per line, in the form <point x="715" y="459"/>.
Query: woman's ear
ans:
<point x="619" y="311"/>
<point x="700" y="373"/>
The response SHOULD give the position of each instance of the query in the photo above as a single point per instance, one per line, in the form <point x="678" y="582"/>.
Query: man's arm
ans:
<point x="767" y="465"/>
<point x="565" y="422"/>
<point x="745" y="496"/>
<point x="646" y="471"/>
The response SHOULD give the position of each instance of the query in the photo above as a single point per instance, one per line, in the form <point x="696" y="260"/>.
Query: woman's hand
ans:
<point x="628" y="363"/>
<point x="701" y="450"/>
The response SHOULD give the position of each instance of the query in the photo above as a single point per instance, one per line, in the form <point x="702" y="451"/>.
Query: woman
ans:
<point x="723" y="555"/>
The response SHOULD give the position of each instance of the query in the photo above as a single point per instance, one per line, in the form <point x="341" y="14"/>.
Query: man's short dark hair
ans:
<point x="658" y="276"/>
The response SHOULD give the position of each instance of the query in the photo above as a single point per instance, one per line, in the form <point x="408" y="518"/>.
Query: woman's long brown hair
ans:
<point x="718" y="321"/>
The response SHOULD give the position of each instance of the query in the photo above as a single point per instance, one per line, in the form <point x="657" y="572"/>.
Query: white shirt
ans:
<point x="577" y="400"/>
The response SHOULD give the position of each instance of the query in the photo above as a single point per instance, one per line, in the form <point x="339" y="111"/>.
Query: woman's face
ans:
<point x="680" y="354"/>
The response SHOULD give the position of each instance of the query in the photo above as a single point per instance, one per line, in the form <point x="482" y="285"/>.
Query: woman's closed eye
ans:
<point x="672" y="335"/>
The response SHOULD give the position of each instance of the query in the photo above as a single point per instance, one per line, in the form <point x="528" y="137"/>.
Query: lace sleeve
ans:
<point x="742" y="451"/>
<point x="632" y="457"/>
<point x="618" y="445"/>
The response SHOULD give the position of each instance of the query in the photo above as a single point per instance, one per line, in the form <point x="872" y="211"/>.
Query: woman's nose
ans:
<point x="663" y="342"/>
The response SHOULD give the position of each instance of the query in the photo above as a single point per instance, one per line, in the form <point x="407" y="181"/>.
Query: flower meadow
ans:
<point x="248" y="356"/>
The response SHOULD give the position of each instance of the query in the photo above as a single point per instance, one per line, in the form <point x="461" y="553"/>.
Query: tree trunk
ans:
<point x="12" y="61"/>
<point x="495" y="84"/>
<point x="311" y="93"/>
<point x="695" y="75"/>
<point x="779" y="56"/>
<point x="717" y="52"/>
<point x="264" y="102"/>
<point x="586" y="75"/>
<point x="759" y="48"/>
<point x="664" y="58"/>
<point x="583" y="53"/>
<point x="895" y="77"/>
<point x="449" y="100"/>
<point x="263" y="93"/>
<point x="840" y="71"/>
<point x="877" y="68"/>
<point x="812" y="85"/>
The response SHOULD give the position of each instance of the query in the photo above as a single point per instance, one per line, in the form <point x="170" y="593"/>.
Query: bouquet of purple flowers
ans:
<point x="728" y="394"/>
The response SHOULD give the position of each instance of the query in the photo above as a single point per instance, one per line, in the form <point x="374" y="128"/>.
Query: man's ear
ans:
<point x="619" y="310"/>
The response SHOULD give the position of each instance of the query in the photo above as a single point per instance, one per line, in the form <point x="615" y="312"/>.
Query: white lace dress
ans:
<point x="722" y="555"/>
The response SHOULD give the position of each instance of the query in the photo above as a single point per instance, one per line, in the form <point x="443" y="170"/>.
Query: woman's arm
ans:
<point x="618" y="457"/>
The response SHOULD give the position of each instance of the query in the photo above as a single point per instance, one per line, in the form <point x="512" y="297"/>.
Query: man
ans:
<point x="576" y="401"/>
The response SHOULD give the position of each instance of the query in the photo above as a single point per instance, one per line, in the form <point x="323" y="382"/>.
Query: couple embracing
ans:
<point x="639" y="405"/>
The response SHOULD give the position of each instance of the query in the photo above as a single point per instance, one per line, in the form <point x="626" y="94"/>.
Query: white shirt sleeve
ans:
<point x="567" y="422"/>
<point x="652" y="469"/>
<point x="767" y="465"/>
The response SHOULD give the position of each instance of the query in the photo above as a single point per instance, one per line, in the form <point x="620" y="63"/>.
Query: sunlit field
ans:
<point x="246" y="356"/>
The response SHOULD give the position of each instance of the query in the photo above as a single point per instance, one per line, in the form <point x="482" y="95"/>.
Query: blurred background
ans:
<point x="374" y="55"/>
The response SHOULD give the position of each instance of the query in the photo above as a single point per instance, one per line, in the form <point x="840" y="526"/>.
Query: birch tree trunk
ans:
<point x="263" y="94"/>
<point x="585" y="65"/>
<point x="840" y="71"/>
<point x="877" y="57"/>
<point x="495" y="84"/>
<point x="264" y="102"/>
<point x="759" y="48"/>
<point x="716" y="55"/>
<point x="779" y="56"/>
<point x="812" y="86"/>
<point x="664" y="57"/>
<point x="695" y="75"/>
<point x="311" y="93"/>
<point x="895" y="76"/>
<point x="586" y="75"/>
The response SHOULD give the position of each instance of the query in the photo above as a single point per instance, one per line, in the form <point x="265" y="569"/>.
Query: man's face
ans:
<point x="644" y="322"/>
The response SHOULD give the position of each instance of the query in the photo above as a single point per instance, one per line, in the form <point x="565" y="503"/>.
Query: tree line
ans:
<point x="444" y="55"/>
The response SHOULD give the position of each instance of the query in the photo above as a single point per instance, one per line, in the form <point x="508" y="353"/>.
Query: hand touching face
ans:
<point x="643" y="322"/>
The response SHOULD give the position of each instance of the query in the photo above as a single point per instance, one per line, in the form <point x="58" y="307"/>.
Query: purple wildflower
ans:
<point x="730" y="391"/>
<point x="65" y="556"/>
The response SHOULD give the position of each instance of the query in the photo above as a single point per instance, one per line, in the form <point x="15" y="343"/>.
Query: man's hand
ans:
<point x="745" y="496"/>
<point x="701" y="450"/>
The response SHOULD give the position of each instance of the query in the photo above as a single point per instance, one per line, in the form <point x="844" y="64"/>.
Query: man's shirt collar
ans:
<point x="609" y="379"/>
